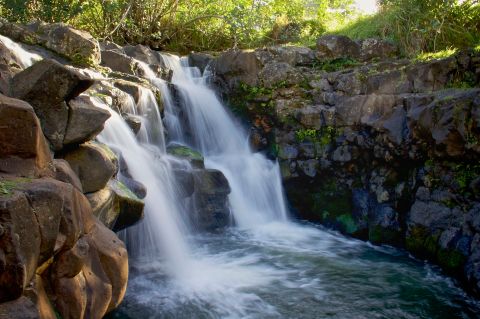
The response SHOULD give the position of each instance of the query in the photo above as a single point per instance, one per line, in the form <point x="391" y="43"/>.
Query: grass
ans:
<point x="428" y="56"/>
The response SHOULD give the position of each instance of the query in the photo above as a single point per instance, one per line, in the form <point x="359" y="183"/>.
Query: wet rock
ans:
<point x="23" y="148"/>
<point x="184" y="152"/>
<point x="48" y="86"/>
<point x="130" y="207"/>
<point x="185" y="181"/>
<point x="200" y="60"/>
<point x="94" y="164"/>
<point x="336" y="46"/>
<point x="211" y="199"/>
<point x="143" y="53"/>
<point x="134" y="122"/>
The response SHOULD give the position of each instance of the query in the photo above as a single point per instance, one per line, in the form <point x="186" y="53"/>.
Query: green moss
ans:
<point x="185" y="152"/>
<point x="336" y="64"/>
<point x="8" y="185"/>
<point x="450" y="259"/>
<point x="122" y="189"/>
<point x="347" y="223"/>
<point x="331" y="202"/>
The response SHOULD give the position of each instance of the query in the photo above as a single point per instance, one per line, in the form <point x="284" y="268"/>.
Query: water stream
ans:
<point x="265" y="266"/>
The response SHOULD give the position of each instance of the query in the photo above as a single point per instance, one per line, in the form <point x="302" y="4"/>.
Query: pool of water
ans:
<point x="288" y="270"/>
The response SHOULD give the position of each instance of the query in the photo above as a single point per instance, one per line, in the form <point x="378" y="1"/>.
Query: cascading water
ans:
<point x="268" y="267"/>
<point x="256" y="196"/>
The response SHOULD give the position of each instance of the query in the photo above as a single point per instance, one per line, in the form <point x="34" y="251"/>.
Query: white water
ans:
<point x="22" y="55"/>
<point x="257" y="196"/>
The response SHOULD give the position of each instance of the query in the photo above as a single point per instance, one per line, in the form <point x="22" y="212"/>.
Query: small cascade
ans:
<point x="163" y="231"/>
<point x="257" y="196"/>
<point x="23" y="56"/>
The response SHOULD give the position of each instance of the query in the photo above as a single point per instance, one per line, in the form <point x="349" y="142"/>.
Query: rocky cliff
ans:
<point x="378" y="147"/>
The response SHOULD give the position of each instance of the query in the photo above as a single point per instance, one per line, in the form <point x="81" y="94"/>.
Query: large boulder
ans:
<point x="116" y="206"/>
<point x="94" y="163"/>
<point x="23" y="148"/>
<point x="48" y="86"/>
<point x="336" y="46"/>
<point x="200" y="60"/>
<point x="78" y="46"/>
<point x="211" y="199"/>
<point x="85" y="120"/>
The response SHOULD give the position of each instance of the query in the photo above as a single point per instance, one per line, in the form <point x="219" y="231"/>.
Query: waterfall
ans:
<point x="163" y="231"/>
<point x="257" y="196"/>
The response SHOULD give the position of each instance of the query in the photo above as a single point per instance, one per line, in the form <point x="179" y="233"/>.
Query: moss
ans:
<point x="450" y="259"/>
<point x="8" y="185"/>
<point x="421" y="242"/>
<point x="333" y="204"/>
<point x="347" y="224"/>
<point x="184" y="152"/>
<point x="122" y="189"/>
<point x="336" y="64"/>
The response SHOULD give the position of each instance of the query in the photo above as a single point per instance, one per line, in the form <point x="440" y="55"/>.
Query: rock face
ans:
<point x="384" y="151"/>
<point x="53" y="251"/>
<point x="78" y="46"/>
<point x="57" y="259"/>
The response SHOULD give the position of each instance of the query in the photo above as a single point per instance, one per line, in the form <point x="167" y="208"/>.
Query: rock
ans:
<point x="64" y="173"/>
<point x="295" y="56"/>
<point x="185" y="181"/>
<point x="384" y="226"/>
<point x="85" y="120"/>
<point x="119" y="62"/>
<point x="184" y="152"/>
<point x="19" y="245"/>
<point x="287" y="152"/>
<point x="48" y="86"/>
<point x="94" y="163"/>
<point x="71" y="296"/>
<point x="116" y="206"/>
<point x="78" y="46"/>
<point x="279" y="73"/>
<point x="234" y="67"/>
<point x="136" y="187"/>
<point x="113" y="258"/>
<point x="200" y="60"/>
<point x="69" y="263"/>
<point x="364" y="109"/>
<point x="336" y="46"/>
<point x="129" y="205"/>
<point x="342" y="154"/>
<point x="376" y="48"/>
<point x="23" y="148"/>
<point x="133" y="89"/>
<point x="211" y="199"/>
<point x="431" y="76"/>
<point x="144" y="54"/>
<point x="22" y="307"/>
<point x="134" y="122"/>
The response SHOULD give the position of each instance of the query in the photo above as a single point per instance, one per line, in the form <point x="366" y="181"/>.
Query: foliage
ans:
<point x="421" y="26"/>
<point x="436" y="55"/>
<point x="336" y="64"/>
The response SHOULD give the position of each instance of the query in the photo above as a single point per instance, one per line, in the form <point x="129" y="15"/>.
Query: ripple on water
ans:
<point x="286" y="270"/>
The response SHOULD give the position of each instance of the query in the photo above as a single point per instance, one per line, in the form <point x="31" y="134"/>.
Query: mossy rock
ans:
<point x="187" y="153"/>
<point x="421" y="242"/>
<point x="451" y="259"/>
<point x="7" y="186"/>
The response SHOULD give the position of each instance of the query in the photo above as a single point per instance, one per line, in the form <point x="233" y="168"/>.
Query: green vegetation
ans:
<point x="8" y="185"/>
<point x="421" y="26"/>
<point x="325" y="136"/>
<point x="437" y="55"/>
<point x="336" y="64"/>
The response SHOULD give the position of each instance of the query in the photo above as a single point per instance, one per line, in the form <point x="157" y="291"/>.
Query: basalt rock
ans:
<point x="23" y="148"/>
<point x="78" y="46"/>
<point x="48" y="86"/>
<point x="94" y="164"/>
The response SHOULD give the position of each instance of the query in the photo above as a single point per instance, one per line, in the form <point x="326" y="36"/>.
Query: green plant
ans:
<point x="336" y="64"/>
